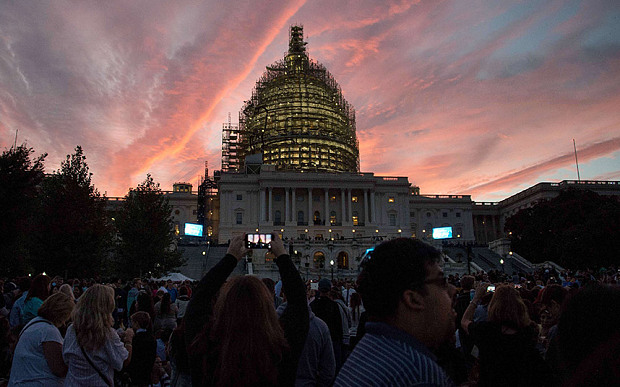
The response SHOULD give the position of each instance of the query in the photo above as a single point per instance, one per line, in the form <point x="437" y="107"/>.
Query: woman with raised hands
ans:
<point x="236" y="339"/>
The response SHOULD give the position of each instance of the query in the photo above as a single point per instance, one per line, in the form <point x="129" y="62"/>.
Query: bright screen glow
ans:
<point x="442" y="232"/>
<point x="193" y="229"/>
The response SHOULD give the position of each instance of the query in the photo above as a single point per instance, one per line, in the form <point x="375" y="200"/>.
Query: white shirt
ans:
<point x="29" y="365"/>
<point x="108" y="358"/>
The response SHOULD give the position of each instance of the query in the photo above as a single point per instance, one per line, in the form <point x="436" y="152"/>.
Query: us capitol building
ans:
<point x="291" y="167"/>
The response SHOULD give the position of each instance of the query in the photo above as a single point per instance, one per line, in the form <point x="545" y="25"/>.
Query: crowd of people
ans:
<point x="402" y="322"/>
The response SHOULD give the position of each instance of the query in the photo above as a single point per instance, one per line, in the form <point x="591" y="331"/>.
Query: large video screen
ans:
<point x="442" y="232"/>
<point x="193" y="229"/>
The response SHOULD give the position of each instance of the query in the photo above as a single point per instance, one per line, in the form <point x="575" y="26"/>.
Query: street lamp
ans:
<point x="331" y="263"/>
<point x="501" y="262"/>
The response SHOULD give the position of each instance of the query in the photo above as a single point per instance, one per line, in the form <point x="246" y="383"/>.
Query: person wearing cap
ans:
<point x="328" y="311"/>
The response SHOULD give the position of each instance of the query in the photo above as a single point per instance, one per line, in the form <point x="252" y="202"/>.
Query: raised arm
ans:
<point x="199" y="308"/>
<point x="295" y="319"/>
<point x="468" y="316"/>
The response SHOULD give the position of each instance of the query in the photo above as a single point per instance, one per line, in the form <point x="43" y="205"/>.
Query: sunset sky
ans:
<point x="462" y="97"/>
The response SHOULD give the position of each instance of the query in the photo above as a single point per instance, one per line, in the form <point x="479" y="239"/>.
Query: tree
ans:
<point x="20" y="177"/>
<point x="146" y="239"/>
<point x="577" y="229"/>
<point x="73" y="230"/>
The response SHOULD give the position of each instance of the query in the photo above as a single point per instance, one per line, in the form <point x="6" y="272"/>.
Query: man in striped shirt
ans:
<point x="409" y="303"/>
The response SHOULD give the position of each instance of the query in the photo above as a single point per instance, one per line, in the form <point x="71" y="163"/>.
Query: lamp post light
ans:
<point x="331" y="263"/>
<point x="501" y="262"/>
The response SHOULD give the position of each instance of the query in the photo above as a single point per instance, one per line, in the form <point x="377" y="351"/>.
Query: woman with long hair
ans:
<point x="507" y="341"/>
<point x="165" y="314"/>
<point x="38" y="355"/>
<point x="237" y="339"/>
<point x="92" y="348"/>
<point x="39" y="291"/>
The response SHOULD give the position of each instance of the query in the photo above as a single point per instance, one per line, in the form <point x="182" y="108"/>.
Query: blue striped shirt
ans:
<point x="387" y="356"/>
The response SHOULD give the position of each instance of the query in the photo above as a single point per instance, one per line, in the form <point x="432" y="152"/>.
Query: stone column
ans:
<point x="262" y="205"/>
<point x="366" y="220"/>
<point x="294" y="212"/>
<point x="287" y="208"/>
<point x="373" y="207"/>
<point x="342" y="207"/>
<point x="309" y="206"/>
<point x="270" y="212"/>
<point x="326" y="216"/>
<point x="350" y="205"/>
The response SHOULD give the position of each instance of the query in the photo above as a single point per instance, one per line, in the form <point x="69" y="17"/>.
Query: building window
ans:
<point x="316" y="198"/>
<point x="278" y="217"/>
<point x="177" y="212"/>
<point x="209" y="231"/>
<point x="176" y="229"/>
<point x="239" y="197"/>
<point x="239" y="218"/>
<point x="194" y="212"/>
<point x="354" y="199"/>
<point x="392" y="219"/>
<point x="445" y="214"/>
<point x="391" y="199"/>
<point x="300" y="217"/>
<point x="355" y="218"/>
<point x="428" y="214"/>
<point x="332" y="217"/>
<point x="277" y="197"/>
<point x="458" y="214"/>
<point x="332" y="198"/>
<point x="317" y="217"/>
<point x="300" y="198"/>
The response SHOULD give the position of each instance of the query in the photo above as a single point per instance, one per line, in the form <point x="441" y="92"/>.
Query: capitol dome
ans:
<point x="298" y="118"/>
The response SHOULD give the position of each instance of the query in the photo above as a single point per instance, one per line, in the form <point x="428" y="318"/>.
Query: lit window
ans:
<point x="391" y="199"/>
<point x="332" y="217"/>
<point x="209" y="231"/>
<point x="354" y="199"/>
<point x="355" y="220"/>
<point x="176" y="229"/>
<point x="332" y="198"/>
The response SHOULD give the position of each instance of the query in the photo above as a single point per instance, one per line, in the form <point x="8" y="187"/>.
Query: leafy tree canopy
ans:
<point x="74" y="232"/>
<point x="20" y="177"/>
<point x="146" y="239"/>
<point x="577" y="229"/>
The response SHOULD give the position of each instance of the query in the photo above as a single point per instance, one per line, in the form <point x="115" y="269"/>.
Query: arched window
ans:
<point x="356" y="218"/>
<point x="318" y="260"/>
<point x="343" y="260"/>
<point x="317" y="217"/>
<point x="300" y="217"/>
<point x="277" y="217"/>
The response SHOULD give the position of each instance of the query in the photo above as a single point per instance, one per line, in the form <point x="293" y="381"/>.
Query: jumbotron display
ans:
<point x="297" y="117"/>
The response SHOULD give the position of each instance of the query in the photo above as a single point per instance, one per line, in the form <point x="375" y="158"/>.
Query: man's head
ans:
<point x="402" y="284"/>
<point x="325" y="285"/>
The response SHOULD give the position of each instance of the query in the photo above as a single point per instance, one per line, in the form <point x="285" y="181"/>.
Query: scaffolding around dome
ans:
<point x="297" y="117"/>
